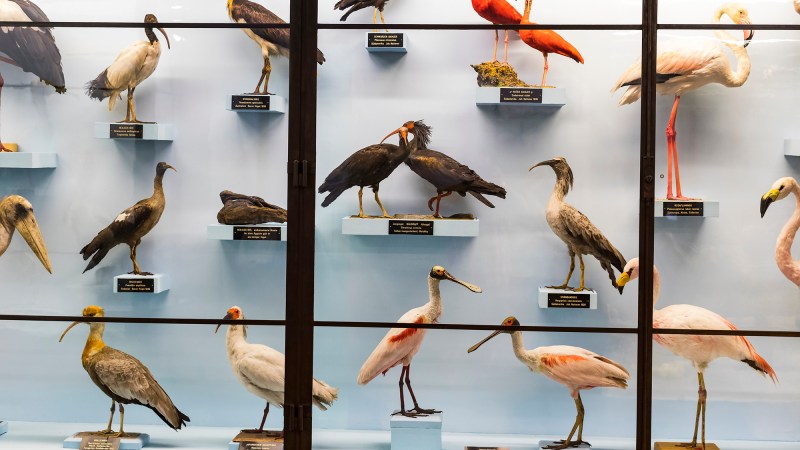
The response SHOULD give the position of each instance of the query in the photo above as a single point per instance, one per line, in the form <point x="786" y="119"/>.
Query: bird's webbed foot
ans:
<point x="410" y="413"/>
<point x="578" y="289"/>
<point x="681" y="198"/>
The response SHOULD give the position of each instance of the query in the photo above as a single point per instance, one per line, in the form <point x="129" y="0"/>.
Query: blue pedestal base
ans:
<point x="132" y="443"/>
<point x="419" y="433"/>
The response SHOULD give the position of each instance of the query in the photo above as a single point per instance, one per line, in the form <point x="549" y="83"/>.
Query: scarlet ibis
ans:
<point x="580" y="235"/>
<point x="133" y="65"/>
<point x="781" y="189"/>
<point x="699" y="350"/>
<point x="356" y="5"/>
<point x="261" y="369"/>
<point x="499" y="12"/>
<point x="130" y="226"/>
<point x="546" y="41"/>
<point x="686" y="66"/>
<point x="272" y="41"/>
<point x="16" y="213"/>
<point x="574" y="367"/>
<point x="123" y="378"/>
<point x="367" y="167"/>
<point x="401" y="344"/>
<point x="32" y="49"/>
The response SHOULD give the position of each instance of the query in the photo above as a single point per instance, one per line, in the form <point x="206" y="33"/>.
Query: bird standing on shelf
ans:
<point x="16" y="213"/>
<point x="272" y="41"/>
<point x="699" y="350"/>
<point x="401" y="344"/>
<point x="686" y="66"/>
<point x="123" y="378"/>
<point x="575" y="229"/>
<point x="135" y="64"/>
<point x="783" y="249"/>
<point x="546" y="41"/>
<point x="32" y="49"/>
<point x="356" y="5"/>
<point x="499" y="12"/>
<point x="574" y="367"/>
<point x="368" y="167"/>
<point x="261" y="370"/>
<point x="131" y="225"/>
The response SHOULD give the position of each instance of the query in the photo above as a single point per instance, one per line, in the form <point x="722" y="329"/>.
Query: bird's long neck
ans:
<point x="738" y="77"/>
<point x="158" y="185"/>
<point x="94" y="343"/>
<point x="234" y="338"/>
<point x="519" y="346"/>
<point x="656" y="286"/>
<point x="434" y="306"/>
<point x="526" y="15"/>
<point x="151" y="36"/>
<point x="783" y="249"/>
<point x="6" y="231"/>
<point x="560" y="190"/>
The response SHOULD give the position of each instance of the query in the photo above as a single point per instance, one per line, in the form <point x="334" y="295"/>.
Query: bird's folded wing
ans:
<point x="253" y="13"/>
<point x="583" y="367"/>
<point x="127" y="377"/>
<point x="585" y="233"/>
<point x="264" y="370"/>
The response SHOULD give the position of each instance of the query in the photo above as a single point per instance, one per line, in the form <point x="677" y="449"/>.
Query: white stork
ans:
<point x="16" y="213"/>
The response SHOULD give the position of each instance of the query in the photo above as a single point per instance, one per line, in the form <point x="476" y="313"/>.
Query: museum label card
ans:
<point x="256" y="233"/>
<point x="126" y="131"/>
<point x="520" y="95"/>
<point x="688" y="209"/>
<point x="413" y="227"/>
<point x="144" y="285"/>
<point x="568" y="300"/>
<point x="384" y="40"/>
<point x="99" y="443"/>
<point x="250" y="102"/>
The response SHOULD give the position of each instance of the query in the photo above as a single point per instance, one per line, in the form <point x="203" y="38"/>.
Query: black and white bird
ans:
<point x="272" y="41"/>
<point x="356" y="5"/>
<point x="130" y="226"/>
<point x="16" y="213"/>
<point x="32" y="49"/>
<point x="135" y="64"/>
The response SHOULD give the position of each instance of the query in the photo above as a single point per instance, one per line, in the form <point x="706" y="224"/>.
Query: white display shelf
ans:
<point x="410" y="227"/>
<point x="260" y="232"/>
<point x="686" y="208"/>
<point x="383" y="42"/>
<point x="791" y="147"/>
<point x="134" y="131"/>
<point x="255" y="103"/>
<point x="521" y="96"/>
<point x="416" y="433"/>
<point x="25" y="160"/>
<point x="563" y="299"/>
<point x="141" y="284"/>
<point x="124" y="443"/>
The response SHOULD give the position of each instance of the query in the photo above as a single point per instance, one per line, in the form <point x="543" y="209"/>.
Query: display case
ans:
<point x="435" y="202"/>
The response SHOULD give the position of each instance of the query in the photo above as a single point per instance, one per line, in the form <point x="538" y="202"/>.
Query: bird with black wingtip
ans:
<point x="130" y="226"/>
<point x="357" y="5"/>
<point x="16" y="213"/>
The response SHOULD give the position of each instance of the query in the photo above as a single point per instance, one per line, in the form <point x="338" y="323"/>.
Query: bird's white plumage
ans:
<point x="260" y="369"/>
<point x="132" y="66"/>
<point x="398" y="346"/>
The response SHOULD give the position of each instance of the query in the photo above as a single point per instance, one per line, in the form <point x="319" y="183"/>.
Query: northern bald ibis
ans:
<point x="783" y="249"/>
<point x="356" y="5"/>
<point x="401" y="344"/>
<point x="546" y="41"/>
<point x="32" y="49"/>
<point x="580" y="235"/>
<point x="130" y="226"/>
<point x="576" y="368"/>
<point x="123" y="378"/>
<point x="499" y="12"/>
<point x="134" y="65"/>
<point x="699" y="350"/>
<point x="688" y="65"/>
<point x="272" y="41"/>
<point x="16" y="213"/>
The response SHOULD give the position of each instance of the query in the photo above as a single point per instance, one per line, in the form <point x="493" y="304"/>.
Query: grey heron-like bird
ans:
<point x="32" y="49"/>
<point x="135" y="64"/>
<point x="356" y="5"/>
<point x="123" y="378"/>
<point x="16" y="213"/>
<point x="580" y="235"/>
<point x="272" y="41"/>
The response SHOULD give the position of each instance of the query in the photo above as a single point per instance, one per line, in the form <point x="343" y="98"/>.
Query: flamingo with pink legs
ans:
<point x="783" y="249"/>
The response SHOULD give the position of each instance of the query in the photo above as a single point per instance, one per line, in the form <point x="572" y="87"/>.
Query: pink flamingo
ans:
<point x="783" y="249"/>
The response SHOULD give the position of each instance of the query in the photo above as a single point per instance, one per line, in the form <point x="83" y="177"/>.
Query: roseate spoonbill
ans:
<point x="499" y="12"/>
<point x="546" y="41"/>
<point x="356" y="5"/>
<point x="123" y="378"/>
<point x="699" y="350"/>
<point x="16" y="213"/>
<point x="133" y="65"/>
<point x="130" y="226"/>
<point x="272" y="41"/>
<point x="783" y="249"/>
<point x="578" y="233"/>
<point x="401" y="344"/>
<point x="574" y="367"/>
<point x="367" y="167"/>
<point x="32" y="49"/>
<point x="686" y="66"/>
<point x="260" y="369"/>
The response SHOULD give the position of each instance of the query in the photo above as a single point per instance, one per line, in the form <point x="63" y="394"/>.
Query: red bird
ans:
<point x="546" y="41"/>
<point x="499" y="12"/>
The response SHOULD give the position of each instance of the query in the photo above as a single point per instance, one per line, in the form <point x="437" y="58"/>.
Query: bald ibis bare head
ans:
<point x="439" y="273"/>
<point x="234" y="313"/>
<point x="510" y="321"/>
<point x="402" y="131"/>
<point x="17" y="213"/>
<point x="162" y="167"/>
<point x="89" y="311"/>
<point x="151" y="18"/>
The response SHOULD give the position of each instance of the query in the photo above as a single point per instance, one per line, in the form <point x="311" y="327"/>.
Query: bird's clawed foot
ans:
<point x="559" y="445"/>
<point x="561" y="287"/>
<point x="410" y="413"/>
<point x="690" y="445"/>
<point x="424" y="411"/>
<point x="106" y="432"/>
<point x="680" y="197"/>
<point x="134" y="121"/>
<point x="578" y="289"/>
<point x="143" y="274"/>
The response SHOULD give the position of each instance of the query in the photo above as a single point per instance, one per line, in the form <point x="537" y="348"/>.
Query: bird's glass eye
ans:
<point x="780" y="188"/>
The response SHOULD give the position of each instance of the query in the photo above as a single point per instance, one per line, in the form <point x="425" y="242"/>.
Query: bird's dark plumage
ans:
<point x="356" y="5"/>
<point x="100" y="88"/>
<point x="366" y="167"/>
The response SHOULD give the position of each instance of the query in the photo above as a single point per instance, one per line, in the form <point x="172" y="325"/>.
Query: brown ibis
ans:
<point x="16" y="213"/>
<point x="356" y="5"/>
<point x="123" y="378"/>
<point x="499" y="12"/>
<point x="546" y="41"/>
<point x="130" y="226"/>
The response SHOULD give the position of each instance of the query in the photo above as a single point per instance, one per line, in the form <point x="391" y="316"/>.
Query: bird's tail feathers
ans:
<point x="758" y="363"/>
<point x="324" y="394"/>
<point x="99" y="247"/>
<point x="335" y="192"/>
<point x="320" y="57"/>
<point x="481" y="199"/>
<point x="100" y="88"/>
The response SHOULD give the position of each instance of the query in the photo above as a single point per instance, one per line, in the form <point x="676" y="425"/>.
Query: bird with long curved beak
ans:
<point x="16" y="213"/>
<point x="781" y="189"/>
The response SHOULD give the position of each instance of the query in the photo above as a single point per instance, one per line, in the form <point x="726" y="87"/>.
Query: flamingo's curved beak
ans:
<point x="767" y="199"/>
<point x="623" y="279"/>
<point x="403" y="133"/>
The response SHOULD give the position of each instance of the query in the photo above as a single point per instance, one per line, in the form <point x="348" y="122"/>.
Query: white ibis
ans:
<point x="272" y="41"/>
<point x="580" y="235"/>
<point x="134" y="65"/>
<point x="32" y="49"/>
<point x="699" y="350"/>
<point x="16" y="213"/>
<point x="401" y="344"/>
<point x="123" y="378"/>
<point x="356" y="5"/>
<point x="130" y="226"/>
<point x="783" y="249"/>
<point x="261" y="369"/>
<point x="688" y="65"/>
<point x="576" y="368"/>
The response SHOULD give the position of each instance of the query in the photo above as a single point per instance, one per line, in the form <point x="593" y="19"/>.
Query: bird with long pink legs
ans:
<point x="546" y="41"/>
<point x="783" y="249"/>
<point x="499" y="12"/>
<point x="688" y="65"/>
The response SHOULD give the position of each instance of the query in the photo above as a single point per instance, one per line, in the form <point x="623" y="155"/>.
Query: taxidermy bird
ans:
<point x="783" y="249"/>
<point x="261" y="369"/>
<point x="123" y="378"/>
<point x="130" y="226"/>
<point x="134" y="65"/>
<point x="356" y="5"/>
<point x="546" y="41"/>
<point x="575" y="229"/>
<point x="272" y="41"/>
<point x="16" y="213"/>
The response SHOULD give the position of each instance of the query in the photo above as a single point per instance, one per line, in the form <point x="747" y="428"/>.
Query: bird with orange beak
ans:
<point x="16" y="213"/>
